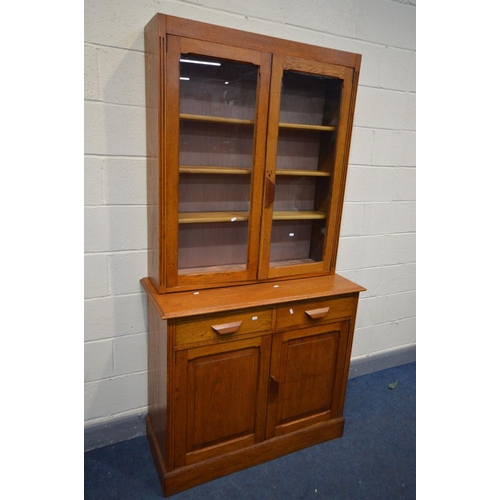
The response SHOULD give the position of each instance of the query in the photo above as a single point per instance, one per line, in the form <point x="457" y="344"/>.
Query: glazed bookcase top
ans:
<point x="248" y="145"/>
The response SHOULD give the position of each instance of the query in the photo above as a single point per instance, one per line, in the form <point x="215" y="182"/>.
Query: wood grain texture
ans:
<point x="293" y="315"/>
<point x="187" y="129"/>
<point x="302" y="173"/>
<point x="270" y="164"/>
<point x="271" y="379"/>
<point x="192" y="331"/>
<point x="219" y="34"/>
<point x="339" y="173"/>
<point x="154" y="66"/>
<point x="300" y="126"/>
<point x="215" y="119"/>
<point x="250" y="330"/>
<point x="170" y="174"/>
<point x="207" y="217"/>
<point x="202" y="169"/>
<point x="232" y="298"/>
<point x="187" y="477"/>
<point x="345" y="159"/>
<point x="222" y="398"/>
<point x="157" y="379"/>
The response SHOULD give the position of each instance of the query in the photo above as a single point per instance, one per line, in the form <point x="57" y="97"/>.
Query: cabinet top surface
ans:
<point x="231" y="298"/>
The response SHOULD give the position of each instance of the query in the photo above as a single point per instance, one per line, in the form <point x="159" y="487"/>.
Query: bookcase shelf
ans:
<point x="298" y="126"/>
<point x="208" y="217"/>
<point x="215" y="119"/>
<point x="201" y="169"/>
<point x="302" y="173"/>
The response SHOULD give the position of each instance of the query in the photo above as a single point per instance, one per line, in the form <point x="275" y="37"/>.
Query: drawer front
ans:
<point x="222" y="327"/>
<point x="315" y="312"/>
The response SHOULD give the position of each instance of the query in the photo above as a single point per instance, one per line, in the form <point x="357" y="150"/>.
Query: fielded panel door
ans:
<point x="221" y="397"/>
<point x="306" y="369"/>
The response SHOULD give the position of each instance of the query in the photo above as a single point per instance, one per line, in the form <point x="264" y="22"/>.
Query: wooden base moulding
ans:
<point x="193" y="475"/>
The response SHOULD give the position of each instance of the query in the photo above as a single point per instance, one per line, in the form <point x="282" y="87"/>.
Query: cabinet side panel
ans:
<point x="153" y="68"/>
<point x="347" y="360"/>
<point x="157" y="379"/>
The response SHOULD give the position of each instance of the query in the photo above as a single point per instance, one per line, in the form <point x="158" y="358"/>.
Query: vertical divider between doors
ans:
<point x="270" y="163"/>
<point x="259" y="162"/>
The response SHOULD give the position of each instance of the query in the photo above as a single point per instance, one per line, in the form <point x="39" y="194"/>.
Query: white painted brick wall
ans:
<point x="377" y="247"/>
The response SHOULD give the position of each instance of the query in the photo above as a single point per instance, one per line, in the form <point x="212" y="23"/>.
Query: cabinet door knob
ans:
<point x="227" y="328"/>
<point x="274" y="387"/>
<point x="318" y="313"/>
<point x="269" y="190"/>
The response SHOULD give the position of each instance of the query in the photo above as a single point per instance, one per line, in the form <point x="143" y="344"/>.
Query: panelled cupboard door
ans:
<point x="220" y="398"/>
<point x="215" y="122"/>
<point x="310" y="111"/>
<point x="307" y="370"/>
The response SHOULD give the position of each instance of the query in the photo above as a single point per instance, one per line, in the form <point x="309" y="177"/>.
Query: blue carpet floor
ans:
<point x="375" y="459"/>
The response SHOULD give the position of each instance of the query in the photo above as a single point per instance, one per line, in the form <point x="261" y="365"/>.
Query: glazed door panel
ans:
<point x="309" y="112"/>
<point x="217" y="112"/>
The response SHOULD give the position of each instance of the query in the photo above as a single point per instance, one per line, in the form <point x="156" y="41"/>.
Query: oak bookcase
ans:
<point x="249" y="327"/>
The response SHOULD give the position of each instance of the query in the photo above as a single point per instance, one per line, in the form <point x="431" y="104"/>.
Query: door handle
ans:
<point x="274" y="387"/>
<point x="269" y="190"/>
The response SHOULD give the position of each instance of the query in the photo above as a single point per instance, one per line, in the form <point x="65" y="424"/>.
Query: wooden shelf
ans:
<point x="215" y="119"/>
<point x="295" y="215"/>
<point x="229" y="268"/>
<point x="295" y="262"/>
<point x="300" y="126"/>
<point x="200" y="169"/>
<point x="303" y="173"/>
<point x="207" y="217"/>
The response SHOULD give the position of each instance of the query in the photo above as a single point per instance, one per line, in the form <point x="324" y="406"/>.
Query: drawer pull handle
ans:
<point x="227" y="328"/>
<point x="318" y="313"/>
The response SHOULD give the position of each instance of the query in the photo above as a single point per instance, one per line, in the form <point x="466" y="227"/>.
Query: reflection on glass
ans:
<point x="227" y="90"/>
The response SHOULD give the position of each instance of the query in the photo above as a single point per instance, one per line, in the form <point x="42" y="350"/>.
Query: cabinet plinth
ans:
<point x="249" y="327"/>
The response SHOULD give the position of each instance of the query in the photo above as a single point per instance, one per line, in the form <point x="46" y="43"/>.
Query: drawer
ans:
<point x="222" y="327"/>
<point x="315" y="312"/>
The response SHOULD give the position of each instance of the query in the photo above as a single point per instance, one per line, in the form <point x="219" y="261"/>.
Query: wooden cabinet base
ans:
<point x="186" y="477"/>
<point x="242" y="375"/>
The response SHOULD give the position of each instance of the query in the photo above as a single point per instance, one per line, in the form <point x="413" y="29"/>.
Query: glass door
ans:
<point x="308" y="117"/>
<point x="222" y="126"/>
